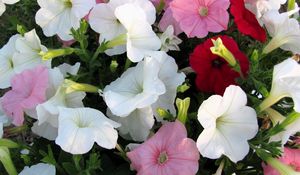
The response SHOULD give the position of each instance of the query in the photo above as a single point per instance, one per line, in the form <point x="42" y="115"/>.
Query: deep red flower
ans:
<point x="246" y="21"/>
<point x="214" y="74"/>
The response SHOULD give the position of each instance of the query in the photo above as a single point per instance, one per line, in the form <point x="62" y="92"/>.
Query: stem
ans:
<point x="7" y="162"/>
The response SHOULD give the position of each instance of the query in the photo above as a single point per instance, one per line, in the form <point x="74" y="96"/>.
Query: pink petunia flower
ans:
<point x="28" y="90"/>
<point x="290" y="157"/>
<point x="198" y="17"/>
<point x="168" y="152"/>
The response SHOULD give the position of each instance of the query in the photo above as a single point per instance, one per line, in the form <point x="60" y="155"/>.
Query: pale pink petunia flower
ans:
<point x="28" y="90"/>
<point x="290" y="157"/>
<point x="168" y="152"/>
<point x="198" y="17"/>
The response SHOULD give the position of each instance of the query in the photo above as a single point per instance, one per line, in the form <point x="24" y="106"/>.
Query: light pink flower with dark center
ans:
<point x="168" y="152"/>
<point x="198" y="17"/>
<point x="28" y="90"/>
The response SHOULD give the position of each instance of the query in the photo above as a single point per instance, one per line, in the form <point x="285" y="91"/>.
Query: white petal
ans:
<point x="81" y="8"/>
<point x="137" y="125"/>
<point x="45" y="130"/>
<point x="10" y="1"/>
<point x="2" y="8"/>
<point x="39" y="169"/>
<point x="66" y="69"/>
<point x="234" y="98"/>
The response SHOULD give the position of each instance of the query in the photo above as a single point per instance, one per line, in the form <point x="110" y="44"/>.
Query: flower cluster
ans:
<point x="149" y="86"/>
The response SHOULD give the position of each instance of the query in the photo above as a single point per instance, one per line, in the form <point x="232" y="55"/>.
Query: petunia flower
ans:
<point x="169" y="151"/>
<point x="3" y="2"/>
<point x="58" y="17"/>
<point x="228" y="124"/>
<point x="19" y="54"/>
<point x="214" y="74"/>
<point x="285" y="83"/>
<point x="4" y="120"/>
<point x="28" y="90"/>
<point x="79" y="128"/>
<point x="39" y="169"/>
<point x="197" y="18"/>
<point x="138" y="87"/>
<point x="260" y="7"/>
<point x="285" y="32"/>
<point x="169" y="40"/>
<point x="140" y="38"/>
<point x="287" y="164"/>
<point x="28" y="52"/>
<point x="104" y="21"/>
<point x="246" y="21"/>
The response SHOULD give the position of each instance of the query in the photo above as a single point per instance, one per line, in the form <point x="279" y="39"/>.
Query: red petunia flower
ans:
<point x="246" y="21"/>
<point x="214" y="74"/>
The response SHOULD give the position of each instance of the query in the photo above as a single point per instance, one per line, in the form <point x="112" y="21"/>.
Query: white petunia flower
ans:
<point x="79" y="128"/>
<point x="228" y="124"/>
<point x="6" y="62"/>
<point x="260" y="7"/>
<point x="4" y="120"/>
<point x="169" y="40"/>
<point x="39" y="169"/>
<point x="3" y="2"/>
<point x="285" y="32"/>
<point x="138" y="87"/>
<point x="45" y="130"/>
<point x="137" y="125"/>
<point x="103" y="20"/>
<point x="28" y="52"/>
<point x="66" y="69"/>
<point x="59" y="16"/>
<point x="140" y="38"/>
<point x="285" y="83"/>
<point x="19" y="54"/>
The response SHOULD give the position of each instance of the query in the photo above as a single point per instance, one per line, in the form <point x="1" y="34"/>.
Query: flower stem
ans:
<point x="268" y="102"/>
<point x="6" y="161"/>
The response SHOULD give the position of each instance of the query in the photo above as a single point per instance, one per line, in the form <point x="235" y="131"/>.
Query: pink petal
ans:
<point x="28" y="90"/>
<point x="167" y="20"/>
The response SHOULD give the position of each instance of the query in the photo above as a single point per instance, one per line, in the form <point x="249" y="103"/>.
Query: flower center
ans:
<point x="163" y="158"/>
<point x="68" y="3"/>
<point x="217" y="63"/>
<point x="11" y="64"/>
<point x="203" y="11"/>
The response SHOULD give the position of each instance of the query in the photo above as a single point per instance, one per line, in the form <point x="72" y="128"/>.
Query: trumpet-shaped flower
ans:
<point x="140" y="38"/>
<point x="104" y="21"/>
<point x="137" y="125"/>
<point x="169" y="151"/>
<point x="79" y="128"/>
<point x="285" y="83"/>
<point x="228" y="124"/>
<point x="138" y="87"/>
<point x="197" y="18"/>
<point x="285" y="32"/>
<point x="28" y="90"/>
<point x="39" y="169"/>
<point x="58" y="17"/>
<point x="3" y="2"/>
<point x="260" y="7"/>
<point x="28" y="52"/>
